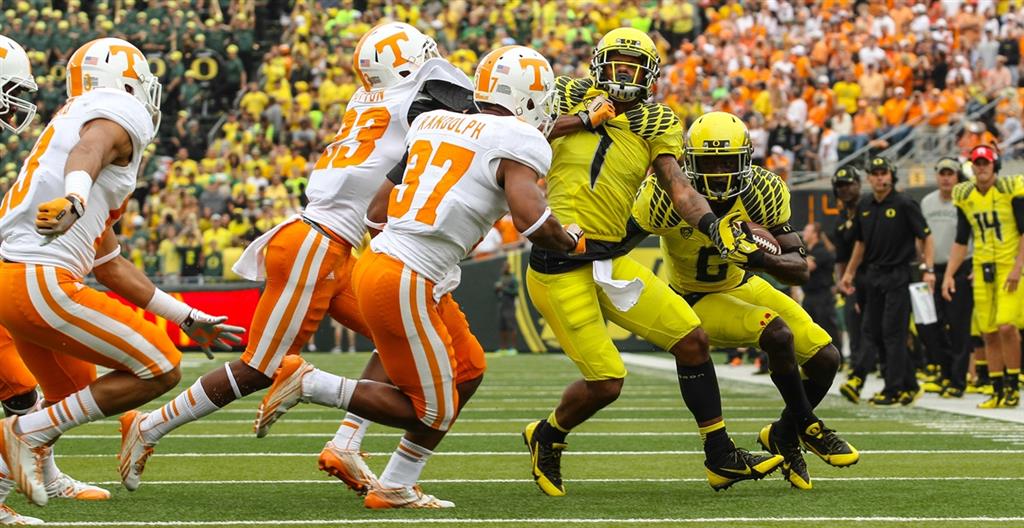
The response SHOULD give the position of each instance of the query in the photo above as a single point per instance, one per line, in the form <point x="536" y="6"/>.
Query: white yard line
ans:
<point x="503" y="434"/>
<point x="567" y="453"/>
<point x="965" y="406"/>
<point x="560" y="521"/>
<point x="526" y="481"/>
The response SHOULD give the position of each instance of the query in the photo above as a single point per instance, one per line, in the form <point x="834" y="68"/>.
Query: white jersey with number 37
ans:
<point x="371" y="141"/>
<point x="449" y="196"/>
<point x="42" y="179"/>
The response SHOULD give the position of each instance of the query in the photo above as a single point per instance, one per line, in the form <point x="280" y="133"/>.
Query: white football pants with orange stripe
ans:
<point x="426" y="347"/>
<point x="308" y="276"/>
<point x="63" y="328"/>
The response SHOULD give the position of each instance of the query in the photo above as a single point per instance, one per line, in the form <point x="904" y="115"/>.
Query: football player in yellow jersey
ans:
<point x="991" y="209"/>
<point x="739" y="309"/>
<point x="604" y="142"/>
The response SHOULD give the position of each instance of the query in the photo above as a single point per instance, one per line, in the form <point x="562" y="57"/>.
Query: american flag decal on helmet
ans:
<point x="501" y="68"/>
<point x="91" y="60"/>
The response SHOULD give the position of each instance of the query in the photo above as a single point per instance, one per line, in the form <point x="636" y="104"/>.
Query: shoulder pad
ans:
<point x="570" y="92"/>
<point x="450" y="96"/>
<point x="767" y="198"/>
<point x="651" y="120"/>
<point x="962" y="191"/>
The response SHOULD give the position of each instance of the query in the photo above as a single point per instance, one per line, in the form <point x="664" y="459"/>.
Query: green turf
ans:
<point x="484" y="468"/>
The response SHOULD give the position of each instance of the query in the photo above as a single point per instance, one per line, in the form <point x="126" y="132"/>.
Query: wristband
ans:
<point x="536" y="225"/>
<point x="78" y="183"/>
<point x="705" y="222"/>
<point x="168" y="307"/>
<point x="379" y="226"/>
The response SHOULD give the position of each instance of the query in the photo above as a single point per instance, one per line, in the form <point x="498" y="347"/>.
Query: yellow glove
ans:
<point x="597" y="111"/>
<point x="725" y="234"/>
<point x="575" y="232"/>
<point x="57" y="216"/>
<point x="747" y="254"/>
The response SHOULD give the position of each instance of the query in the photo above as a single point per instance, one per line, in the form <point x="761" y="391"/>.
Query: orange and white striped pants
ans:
<point x="308" y="275"/>
<point x="62" y="329"/>
<point x="426" y="347"/>
<point x="15" y="379"/>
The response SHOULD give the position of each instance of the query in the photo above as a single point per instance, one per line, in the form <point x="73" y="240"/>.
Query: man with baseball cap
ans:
<point x="846" y="188"/>
<point x="886" y="228"/>
<point x="948" y="340"/>
<point x="991" y="211"/>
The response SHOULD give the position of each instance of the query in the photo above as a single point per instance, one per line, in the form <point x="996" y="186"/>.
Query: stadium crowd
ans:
<point x="252" y="91"/>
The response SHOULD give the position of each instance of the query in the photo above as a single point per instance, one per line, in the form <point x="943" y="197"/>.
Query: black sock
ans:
<point x="1012" y="379"/>
<point x="547" y="434"/>
<point x="792" y="390"/>
<point x="997" y="383"/>
<point x="699" y="387"/>
<point x="981" y="369"/>
<point x="815" y="393"/>
<point x="716" y="442"/>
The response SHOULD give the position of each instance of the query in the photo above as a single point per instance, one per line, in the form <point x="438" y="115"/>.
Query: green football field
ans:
<point x="637" y="463"/>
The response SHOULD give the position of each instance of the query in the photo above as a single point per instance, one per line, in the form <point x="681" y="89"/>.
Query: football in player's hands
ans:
<point x="764" y="239"/>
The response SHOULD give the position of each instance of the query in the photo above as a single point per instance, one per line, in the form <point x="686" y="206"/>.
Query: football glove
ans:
<point x="724" y="234"/>
<point x="207" y="330"/>
<point x="747" y="254"/>
<point x="575" y="232"/>
<point x="597" y="111"/>
<point x="58" y="215"/>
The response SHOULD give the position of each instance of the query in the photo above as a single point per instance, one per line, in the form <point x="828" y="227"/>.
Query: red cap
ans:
<point x="983" y="151"/>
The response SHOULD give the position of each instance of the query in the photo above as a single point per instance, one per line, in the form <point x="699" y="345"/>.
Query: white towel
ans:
<point x="252" y="264"/>
<point x="623" y="294"/>
<point x="448" y="283"/>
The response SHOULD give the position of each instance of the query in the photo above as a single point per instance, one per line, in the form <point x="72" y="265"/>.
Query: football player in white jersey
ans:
<point x="54" y="222"/>
<point x="307" y="260"/>
<point x="463" y="173"/>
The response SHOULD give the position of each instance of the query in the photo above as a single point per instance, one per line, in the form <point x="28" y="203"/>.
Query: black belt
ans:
<point x="323" y="230"/>
<point x="693" y="298"/>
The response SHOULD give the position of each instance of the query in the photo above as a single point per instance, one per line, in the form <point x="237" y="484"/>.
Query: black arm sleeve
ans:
<point x="441" y="95"/>
<point x="1018" y="213"/>
<point x="398" y="171"/>
<point x="963" y="227"/>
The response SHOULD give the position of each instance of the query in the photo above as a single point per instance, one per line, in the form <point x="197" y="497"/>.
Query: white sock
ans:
<point x="186" y="407"/>
<point x="41" y="427"/>
<point x="351" y="432"/>
<point x="405" y="466"/>
<point x="328" y="389"/>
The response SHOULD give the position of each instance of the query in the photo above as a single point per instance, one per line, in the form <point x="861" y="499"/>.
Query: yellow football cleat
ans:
<point x="546" y="460"/>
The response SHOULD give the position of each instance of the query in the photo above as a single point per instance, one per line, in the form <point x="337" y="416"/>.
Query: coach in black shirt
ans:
<point x="886" y="229"/>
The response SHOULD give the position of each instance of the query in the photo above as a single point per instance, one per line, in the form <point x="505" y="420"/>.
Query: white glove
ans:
<point x="209" y="330"/>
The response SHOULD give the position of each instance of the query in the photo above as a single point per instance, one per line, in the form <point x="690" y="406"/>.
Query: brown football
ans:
<point x="763" y="238"/>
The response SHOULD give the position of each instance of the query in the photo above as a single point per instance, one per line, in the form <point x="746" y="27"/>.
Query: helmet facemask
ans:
<point x="16" y="112"/>
<point x="624" y="80"/>
<point x="718" y="174"/>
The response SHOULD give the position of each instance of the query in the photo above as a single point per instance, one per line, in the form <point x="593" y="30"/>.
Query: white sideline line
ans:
<point x="505" y="434"/>
<point x="682" y="419"/>
<point x="692" y="520"/>
<point x="569" y="453"/>
<point x="574" y="481"/>
<point x="546" y="408"/>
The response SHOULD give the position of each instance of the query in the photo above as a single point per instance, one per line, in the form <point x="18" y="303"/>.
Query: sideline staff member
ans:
<point x="885" y="230"/>
<point x="948" y="340"/>
<point x="846" y="188"/>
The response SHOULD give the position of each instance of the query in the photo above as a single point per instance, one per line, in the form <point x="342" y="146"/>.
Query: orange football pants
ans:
<point x="62" y="329"/>
<point x="426" y="347"/>
<point x="15" y="379"/>
<point x="308" y="275"/>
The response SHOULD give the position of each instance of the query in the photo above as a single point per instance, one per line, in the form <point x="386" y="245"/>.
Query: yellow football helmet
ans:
<point x="610" y="75"/>
<point x="716" y="155"/>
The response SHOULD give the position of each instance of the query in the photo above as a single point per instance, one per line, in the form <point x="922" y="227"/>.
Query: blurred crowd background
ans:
<point x="253" y="89"/>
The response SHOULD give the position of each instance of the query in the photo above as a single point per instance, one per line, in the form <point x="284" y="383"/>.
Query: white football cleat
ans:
<point x="389" y="498"/>
<point x="9" y="516"/>
<point x="66" y="487"/>
<point x="349" y="467"/>
<point x="24" y="462"/>
<point x="134" y="450"/>
<point x="285" y="393"/>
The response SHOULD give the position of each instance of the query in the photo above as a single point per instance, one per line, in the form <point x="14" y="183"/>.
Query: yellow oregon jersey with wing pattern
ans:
<point x="693" y="263"/>
<point x="594" y="175"/>
<point x="993" y="226"/>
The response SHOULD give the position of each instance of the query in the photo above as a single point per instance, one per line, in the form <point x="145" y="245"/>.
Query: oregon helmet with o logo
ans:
<point x="622" y="86"/>
<point x="716" y="155"/>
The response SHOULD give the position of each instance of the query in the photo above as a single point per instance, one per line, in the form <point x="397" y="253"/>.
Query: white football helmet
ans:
<point x="15" y="77"/>
<point x="519" y="80"/>
<point x="389" y="53"/>
<point x="116" y="64"/>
